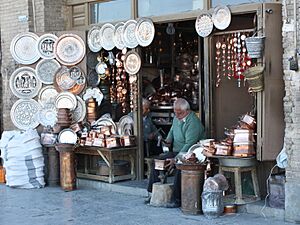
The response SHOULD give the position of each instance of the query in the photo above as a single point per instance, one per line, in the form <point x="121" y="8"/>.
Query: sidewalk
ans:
<point x="53" y="206"/>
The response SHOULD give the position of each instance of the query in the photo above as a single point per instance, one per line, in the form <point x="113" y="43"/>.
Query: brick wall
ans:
<point x="44" y="15"/>
<point x="292" y="117"/>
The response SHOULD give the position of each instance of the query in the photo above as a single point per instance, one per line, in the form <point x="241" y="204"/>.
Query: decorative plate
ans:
<point x="221" y="17"/>
<point x="24" y="113"/>
<point x="118" y="36"/>
<point x="75" y="72"/>
<point x="46" y="70"/>
<point x="104" y="122"/>
<point x="65" y="100"/>
<point x="47" y="115"/>
<point x="94" y="42"/>
<point x="23" y="48"/>
<point x="93" y="79"/>
<point x="79" y="86"/>
<point x="91" y="60"/>
<point x="107" y="36"/>
<point x="129" y="38"/>
<point x="63" y="79"/>
<point x="204" y="25"/>
<point x="101" y="67"/>
<point x="45" y="46"/>
<point x="67" y="136"/>
<point x="24" y="83"/>
<point x="125" y="125"/>
<point x="80" y="111"/>
<point x="47" y="95"/>
<point x="132" y="62"/>
<point x="69" y="49"/>
<point x="144" y="31"/>
<point x="197" y="149"/>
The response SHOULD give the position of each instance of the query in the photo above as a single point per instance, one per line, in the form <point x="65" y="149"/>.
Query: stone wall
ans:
<point x="292" y="116"/>
<point x="21" y="16"/>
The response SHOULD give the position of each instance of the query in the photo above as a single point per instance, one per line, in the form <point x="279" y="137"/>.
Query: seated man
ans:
<point x="186" y="131"/>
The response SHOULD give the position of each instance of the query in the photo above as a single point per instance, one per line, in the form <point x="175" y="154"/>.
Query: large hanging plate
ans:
<point x="129" y="38"/>
<point x="69" y="49"/>
<point x="23" y="113"/>
<point x="23" y="48"/>
<point x="45" y="46"/>
<point x="79" y="86"/>
<point x="65" y="100"/>
<point x="94" y="42"/>
<point x="107" y="36"/>
<point x="24" y="83"/>
<point x="144" y="31"/>
<point x="204" y="25"/>
<point x="221" y="17"/>
<point x="47" y="94"/>
<point x="46" y="70"/>
<point x="63" y="79"/>
<point x="47" y="115"/>
<point x="132" y="62"/>
<point x="79" y="112"/>
<point x="118" y="36"/>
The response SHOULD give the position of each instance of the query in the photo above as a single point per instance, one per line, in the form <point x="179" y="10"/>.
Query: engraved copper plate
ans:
<point x="94" y="42"/>
<point x="69" y="49"/>
<point x="46" y="70"/>
<point x="47" y="94"/>
<point x="118" y="36"/>
<point x="204" y="25"/>
<point x="144" y="31"/>
<point x="23" y="48"/>
<point x="45" y="46"/>
<point x="221" y="17"/>
<point x="24" y="113"/>
<point x="24" y="83"/>
<point x="129" y="38"/>
<point x="80" y="111"/>
<point x="132" y="62"/>
<point x="63" y="79"/>
<point x="106" y="36"/>
<point x="79" y="86"/>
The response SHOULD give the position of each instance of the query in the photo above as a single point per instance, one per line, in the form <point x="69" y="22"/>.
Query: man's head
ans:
<point x="146" y="106"/>
<point x="181" y="108"/>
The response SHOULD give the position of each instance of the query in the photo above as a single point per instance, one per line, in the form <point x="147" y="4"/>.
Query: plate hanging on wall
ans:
<point x="23" y="48"/>
<point x="79" y="112"/>
<point x="204" y="25"/>
<point x="47" y="94"/>
<point x="94" y="37"/>
<point x="144" y="31"/>
<point x="46" y="70"/>
<point x="106" y="36"/>
<point x="118" y="36"/>
<point x="221" y="17"/>
<point x="129" y="38"/>
<point x="132" y="62"/>
<point x="45" y="46"/>
<point x="24" y="83"/>
<point x="69" y="49"/>
<point x="24" y="113"/>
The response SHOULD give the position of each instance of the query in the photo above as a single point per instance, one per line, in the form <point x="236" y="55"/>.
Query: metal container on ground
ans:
<point x="192" y="179"/>
<point x="212" y="204"/>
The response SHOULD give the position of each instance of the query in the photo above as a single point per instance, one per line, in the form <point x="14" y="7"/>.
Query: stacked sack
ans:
<point x="23" y="159"/>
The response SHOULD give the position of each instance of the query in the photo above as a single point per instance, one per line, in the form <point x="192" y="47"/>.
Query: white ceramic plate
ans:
<point x="47" y="115"/>
<point x="118" y="36"/>
<point x="107" y="36"/>
<point x="24" y="83"/>
<point x="46" y="70"/>
<point x="45" y="46"/>
<point x="79" y="112"/>
<point x="204" y="25"/>
<point x="144" y="31"/>
<point x="132" y="62"/>
<point x="125" y="125"/>
<point x="23" y="114"/>
<point x="65" y="100"/>
<point x="23" y="48"/>
<point x="129" y="37"/>
<point x="221" y="17"/>
<point x="47" y="94"/>
<point x="103" y="122"/>
<point x="197" y="149"/>
<point x="94" y="42"/>
<point x="67" y="136"/>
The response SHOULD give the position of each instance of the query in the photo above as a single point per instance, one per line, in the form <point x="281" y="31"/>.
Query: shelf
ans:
<point x="166" y="107"/>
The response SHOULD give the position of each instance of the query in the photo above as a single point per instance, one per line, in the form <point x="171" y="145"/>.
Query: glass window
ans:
<point x="110" y="11"/>
<point x="164" y="7"/>
<point x="232" y="2"/>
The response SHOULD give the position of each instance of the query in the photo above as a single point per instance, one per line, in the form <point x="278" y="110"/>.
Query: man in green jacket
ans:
<point x="186" y="131"/>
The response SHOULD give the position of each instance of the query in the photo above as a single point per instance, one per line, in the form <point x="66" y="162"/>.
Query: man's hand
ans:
<point x="170" y="163"/>
<point x="166" y="143"/>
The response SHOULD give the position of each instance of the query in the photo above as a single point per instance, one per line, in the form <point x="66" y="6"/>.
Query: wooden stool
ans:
<point x="239" y="197"/>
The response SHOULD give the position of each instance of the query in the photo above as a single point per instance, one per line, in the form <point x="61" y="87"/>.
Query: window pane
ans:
<point x="164" y="7"/>
<point x="232" y="2"/>
<point x="110" y="11"/>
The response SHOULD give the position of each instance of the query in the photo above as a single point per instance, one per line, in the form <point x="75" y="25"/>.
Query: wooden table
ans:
<point x="108" y="155"/>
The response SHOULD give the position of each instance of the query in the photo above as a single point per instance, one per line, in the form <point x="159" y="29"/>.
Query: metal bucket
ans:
<point x="212" y="204"/>
<point x="255" y="46"/>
